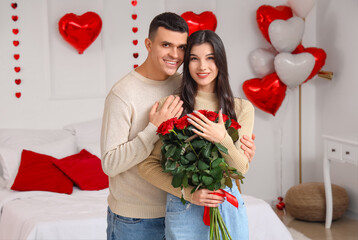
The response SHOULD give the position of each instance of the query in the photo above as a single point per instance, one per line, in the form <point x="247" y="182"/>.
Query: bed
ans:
<point x="81" y="214"/>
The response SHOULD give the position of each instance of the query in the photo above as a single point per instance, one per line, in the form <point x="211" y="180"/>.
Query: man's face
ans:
<point x="166" y="52"/>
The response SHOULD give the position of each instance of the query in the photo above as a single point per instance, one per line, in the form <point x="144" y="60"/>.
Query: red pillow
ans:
<point x="84" y="169"/>
<point x="37" y="173"/>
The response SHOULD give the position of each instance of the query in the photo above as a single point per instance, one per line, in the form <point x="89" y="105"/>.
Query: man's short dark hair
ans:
<point x="168" y="20"/>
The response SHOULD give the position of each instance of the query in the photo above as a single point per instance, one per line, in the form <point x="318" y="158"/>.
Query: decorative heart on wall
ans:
<point x="267" y="93"/>
<point x="18" y="81"/>
<point x="319" y="55"/>
<point x="203" y="21"/>
<point x="294" y="69"/>
<point x="14" y="5"/>
<point x="15" y="31"/>
<point x="16" y="43"/>
<point x="16" y="56"/>
<point x="18" y="94"/>
<point x="285" y="35"/>
<point x="17" y="69"/>
<point x="80" y="31"/>
<point x="267" y="14"/>
<point x="15" y="18"/>
<point x="135" y="29"/>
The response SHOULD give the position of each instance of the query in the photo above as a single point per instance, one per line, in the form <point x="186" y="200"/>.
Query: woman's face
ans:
<point x="202" y="67"/>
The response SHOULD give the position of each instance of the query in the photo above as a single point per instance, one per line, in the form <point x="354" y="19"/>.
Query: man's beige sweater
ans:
<point x="127" y="139"/>
<point x="152" y="171"/>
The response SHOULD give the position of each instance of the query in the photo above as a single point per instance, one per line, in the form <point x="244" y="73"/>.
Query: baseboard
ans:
<point x="352" y="215"/>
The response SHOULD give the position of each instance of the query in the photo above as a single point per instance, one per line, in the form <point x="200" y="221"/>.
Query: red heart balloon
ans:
<point x="80" y="31"/>
<point x="18" y="94"/>
<point x="267" y="14"/>
<point x="16" y="43"/>
<point x="135" y="55"/>
<point x="15" y="18"/>
<point x="15" y="31"/>
<point x="134" y="16"/>
<point x="267" y="93"/>
<point x="17" y="69"/>
<point x="203" y="21"/>
<point x="319" y="55"/>
<point x="16" y="56"/>
<point x="18" y="81"/>
<point x="135" y="42"/>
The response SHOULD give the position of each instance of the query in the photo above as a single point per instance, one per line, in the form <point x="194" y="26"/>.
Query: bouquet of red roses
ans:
<point x="195" y="161"/>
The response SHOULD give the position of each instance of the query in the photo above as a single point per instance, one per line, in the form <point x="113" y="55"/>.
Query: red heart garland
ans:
<point x="15" y="31"/>
<point x="15" y="18"/>
<point x="17" y="69"/>
<point x="202" y="21"/>
<point x="16" y="56"/>
<point x="18" y="94"/>
<point x="319" y="55"/>
<point x="80" y="31"/>
<point x="135" y="55"/>
<point x="135" y="42"/>
<point x="14" y="5"/>
<point x="16" y="43"/>
<point x="134" y="3"/>
<point x="134" y="16"/>
<point x="267" y="14"/>
<point x="135" y="65"/>
<point x="267" y="93"/>
<point x="135" y="29"/>
<point x="18" y="81"/>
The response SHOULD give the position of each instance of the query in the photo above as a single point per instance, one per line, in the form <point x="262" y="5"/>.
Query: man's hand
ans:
<point x="204" y="197"/>
<point x="248" y="146"/>
<point x="172" y="107"/>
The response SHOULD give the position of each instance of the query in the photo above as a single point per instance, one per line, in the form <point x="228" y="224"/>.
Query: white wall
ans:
<point x="275" y="168"/>
<point x="337" y="111"/>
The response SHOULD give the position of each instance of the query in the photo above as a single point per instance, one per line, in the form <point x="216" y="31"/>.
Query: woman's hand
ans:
<point x="211" y="131"/>
<point x="205" y="198"/>
<point x="248" y="145"/>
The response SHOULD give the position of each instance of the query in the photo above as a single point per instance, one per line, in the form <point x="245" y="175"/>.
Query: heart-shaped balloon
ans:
<point x="294" y="69"/>
<point x="301" y="8"/>
<point x="80" y="31"/>
<point x="267" y="93"/>
<point x="203" y="21"/>
<point x="261" y="61"/>
<point x="319" y="55"/>
<point x="285" y="35"/>
<point x="267" y="14"/>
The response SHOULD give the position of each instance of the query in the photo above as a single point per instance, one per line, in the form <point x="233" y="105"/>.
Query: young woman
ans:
<point x="205" y="86"/>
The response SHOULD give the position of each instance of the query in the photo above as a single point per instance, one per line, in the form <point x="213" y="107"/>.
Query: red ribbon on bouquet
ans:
<point x="229" y="197"/>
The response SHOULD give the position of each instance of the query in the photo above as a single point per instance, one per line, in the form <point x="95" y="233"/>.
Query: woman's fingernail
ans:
<point x="189" y="115"/>
<point x="195" y="112"/>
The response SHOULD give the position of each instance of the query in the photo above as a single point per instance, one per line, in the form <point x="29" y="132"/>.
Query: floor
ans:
<point x="341" y="229"/>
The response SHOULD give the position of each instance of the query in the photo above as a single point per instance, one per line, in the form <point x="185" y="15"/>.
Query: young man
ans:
<point x="136" y="208"/>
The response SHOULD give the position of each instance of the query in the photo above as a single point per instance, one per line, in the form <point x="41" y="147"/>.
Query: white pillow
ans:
<point x="86" y="132"/>
<point x="56" y="143"/>
<point x="93" y="148"/>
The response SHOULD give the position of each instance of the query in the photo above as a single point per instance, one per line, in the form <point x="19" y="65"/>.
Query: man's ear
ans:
<point x="148" y="44"/>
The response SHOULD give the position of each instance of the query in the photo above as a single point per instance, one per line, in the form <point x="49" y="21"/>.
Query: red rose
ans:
<point x="234" y="124"/>
<point x="211" y="115"/>
<point x="166" y="126"/>
<point x="182" y="123"/>
<point x="225" y="117"/>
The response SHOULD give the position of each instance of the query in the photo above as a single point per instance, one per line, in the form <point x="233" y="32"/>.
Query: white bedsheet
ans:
<point x="82" y="215"/>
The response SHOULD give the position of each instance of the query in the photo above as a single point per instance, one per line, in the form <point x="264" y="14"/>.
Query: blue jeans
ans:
<point x="124" y="228"/>
<point x="186" y="221"/>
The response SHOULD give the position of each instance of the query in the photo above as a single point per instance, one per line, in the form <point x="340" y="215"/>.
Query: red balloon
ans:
<point x="319" y="55"/>
<point x="80" y="31"/>
<point x="267" y="14"/>
<point x="203" y="21"/>
<point x="266" y="93"/>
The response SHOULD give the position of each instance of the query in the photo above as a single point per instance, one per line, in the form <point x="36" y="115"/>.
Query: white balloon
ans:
<point x="294" y="69"/>
<point x="261" y="61"/>
<point x="285" y="35"/>
<point x="301" y="8"/>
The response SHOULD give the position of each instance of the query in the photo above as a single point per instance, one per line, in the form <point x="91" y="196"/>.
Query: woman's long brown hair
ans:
<point x="188" y="89"/>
